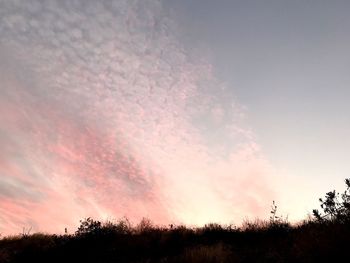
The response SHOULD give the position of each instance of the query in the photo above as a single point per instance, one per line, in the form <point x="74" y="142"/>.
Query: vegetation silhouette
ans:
<point x="336" y="207"/>
<point x="325" y="237"/>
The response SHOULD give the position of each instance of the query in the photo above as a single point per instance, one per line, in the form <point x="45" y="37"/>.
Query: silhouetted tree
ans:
<point x="335" y="206"/>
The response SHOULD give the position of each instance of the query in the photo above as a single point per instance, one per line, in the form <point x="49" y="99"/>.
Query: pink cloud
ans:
<point x="113" y="119"/>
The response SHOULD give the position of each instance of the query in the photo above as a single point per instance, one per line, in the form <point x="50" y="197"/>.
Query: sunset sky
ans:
<point x="181" y="111"/>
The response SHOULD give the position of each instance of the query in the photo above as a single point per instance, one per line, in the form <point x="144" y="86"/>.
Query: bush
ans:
<point x="145" y="225"/>
<point x="89" y="226"/>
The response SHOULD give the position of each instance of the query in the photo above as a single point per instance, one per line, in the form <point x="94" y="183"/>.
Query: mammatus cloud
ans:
<point x="104" y="114"/>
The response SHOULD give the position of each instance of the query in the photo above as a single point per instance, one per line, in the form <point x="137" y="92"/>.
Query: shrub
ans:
<point x="145" y="225"/>
<point x="122" y="226"/>
<point x="89" y="226"/>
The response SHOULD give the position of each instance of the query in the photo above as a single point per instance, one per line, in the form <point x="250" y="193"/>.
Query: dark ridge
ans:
<point x="323" y="238"/>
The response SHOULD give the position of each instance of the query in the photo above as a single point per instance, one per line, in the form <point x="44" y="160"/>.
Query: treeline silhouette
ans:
<point x="325" y="237"/>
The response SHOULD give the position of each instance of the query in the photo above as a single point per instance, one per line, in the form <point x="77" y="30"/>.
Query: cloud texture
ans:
<point x="104" y="113"/>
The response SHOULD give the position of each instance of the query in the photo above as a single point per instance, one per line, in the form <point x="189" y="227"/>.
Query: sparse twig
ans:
<point x="26" y="232"/>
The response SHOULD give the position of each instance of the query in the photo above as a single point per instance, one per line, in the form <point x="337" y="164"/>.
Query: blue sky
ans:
<point x="288" y="64"/>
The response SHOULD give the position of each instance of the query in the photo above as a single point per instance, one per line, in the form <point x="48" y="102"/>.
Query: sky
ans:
<point x="179" y="111"/>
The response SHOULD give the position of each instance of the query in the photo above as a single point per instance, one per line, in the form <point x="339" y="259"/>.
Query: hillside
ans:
<point x="324" y="238"/>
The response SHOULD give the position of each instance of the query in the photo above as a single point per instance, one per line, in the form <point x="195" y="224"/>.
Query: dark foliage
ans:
<point x="89" y="226"/>
<point x="335" y="206"/>
<point x="323" y="239"/>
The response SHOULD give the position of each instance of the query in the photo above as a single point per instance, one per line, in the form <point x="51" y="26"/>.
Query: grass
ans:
<point x="258" y="241"/>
